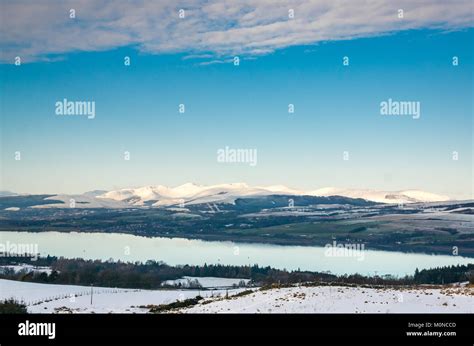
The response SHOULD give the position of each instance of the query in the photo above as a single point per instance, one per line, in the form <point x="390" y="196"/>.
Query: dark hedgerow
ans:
<point x="178" y="304"/>
<point x="12" y="306"/>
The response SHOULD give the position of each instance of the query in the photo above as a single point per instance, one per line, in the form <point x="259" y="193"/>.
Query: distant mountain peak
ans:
<point x="228" y="193"/>
<point x="192" y="194"/>
<point x="5" y="193"/>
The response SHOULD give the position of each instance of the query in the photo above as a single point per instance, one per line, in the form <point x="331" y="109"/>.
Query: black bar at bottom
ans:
<point x="222" y="329"/>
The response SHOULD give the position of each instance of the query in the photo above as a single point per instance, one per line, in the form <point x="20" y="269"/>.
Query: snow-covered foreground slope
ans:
<point x="326" y="299"/>
<point x="46" y="298"/>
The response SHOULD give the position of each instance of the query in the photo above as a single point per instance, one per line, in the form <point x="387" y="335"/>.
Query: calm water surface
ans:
<point x="176" y="251"/>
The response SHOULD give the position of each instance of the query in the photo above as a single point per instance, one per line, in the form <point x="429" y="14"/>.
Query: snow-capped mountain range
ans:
<point x="192" y="194"/>
<point x="227" y="193"/>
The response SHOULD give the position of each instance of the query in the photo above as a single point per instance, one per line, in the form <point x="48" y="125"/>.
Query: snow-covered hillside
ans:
<point x="327" y="299"/>
<point x="25" y="268"/>
<point x="192" y="194"/>
<point x="206" y="282"/>
<point x="46" y="298"/>
<point x="81" y="201"/>
<point x="228" y="193"/>
<point x="407" y="196"/>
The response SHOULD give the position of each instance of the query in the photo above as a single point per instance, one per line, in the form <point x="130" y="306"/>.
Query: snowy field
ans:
<point x="206" y="282"/>
<point x="326" y="299"/>
<point x="26" y="268"/>
<point x="46" y="298"/>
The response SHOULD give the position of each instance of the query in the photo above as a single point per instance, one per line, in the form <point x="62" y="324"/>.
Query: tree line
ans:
<point x="152" y="274"/>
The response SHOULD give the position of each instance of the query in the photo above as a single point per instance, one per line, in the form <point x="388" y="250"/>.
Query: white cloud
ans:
<point x="39" y="29"/>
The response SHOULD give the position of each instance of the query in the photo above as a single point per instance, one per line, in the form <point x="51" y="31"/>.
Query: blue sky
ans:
<point x="337" y="108"/>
